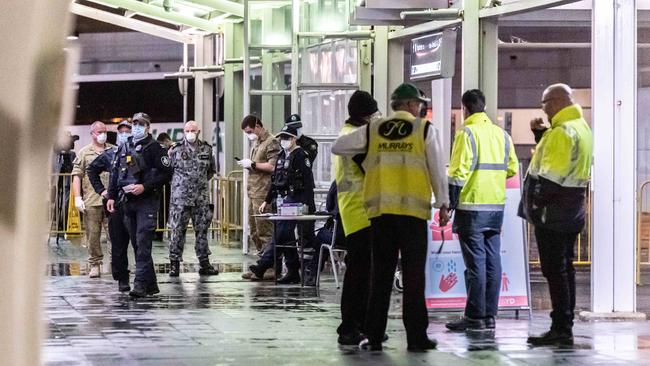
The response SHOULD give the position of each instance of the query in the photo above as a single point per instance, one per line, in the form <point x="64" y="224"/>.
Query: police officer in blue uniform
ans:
<point x="294" y="182"/>
<point x="117" y="232"/>
<point x="140" y="168"/>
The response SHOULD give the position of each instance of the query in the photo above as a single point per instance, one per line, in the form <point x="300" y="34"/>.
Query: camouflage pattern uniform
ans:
<point x="190" y="197"/>
<point x="265" y="150"/>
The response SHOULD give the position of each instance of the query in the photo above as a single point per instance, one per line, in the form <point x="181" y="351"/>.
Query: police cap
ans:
<point x="142" y="117"/>
<point x="294" y="121"/>
<point x="288" y="130"/>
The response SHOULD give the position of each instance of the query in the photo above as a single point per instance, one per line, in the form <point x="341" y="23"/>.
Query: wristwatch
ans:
<point x="253" y="165"/>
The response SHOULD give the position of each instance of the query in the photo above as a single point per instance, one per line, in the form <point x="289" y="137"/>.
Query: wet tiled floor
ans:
<point x="224" y="320"/>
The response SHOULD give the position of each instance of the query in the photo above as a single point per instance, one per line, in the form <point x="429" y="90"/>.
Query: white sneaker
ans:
<point x="94" y="271"/>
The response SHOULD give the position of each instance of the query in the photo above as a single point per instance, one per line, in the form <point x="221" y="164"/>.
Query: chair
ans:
<point x="334" y="259"/>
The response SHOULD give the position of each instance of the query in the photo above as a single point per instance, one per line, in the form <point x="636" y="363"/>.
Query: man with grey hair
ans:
<point x="553" y="200"/>
<point x="86" y="200"/>
<point x="194" y="166"/>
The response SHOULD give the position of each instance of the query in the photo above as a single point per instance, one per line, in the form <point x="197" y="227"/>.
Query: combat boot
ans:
<point x="153" y="289"/>
<point x="174" y="268"/>
<point x="123" y="284"/>
<point x="139" y="290"/>
<point x="95" y="271"/>
<point x="291" y="277"/>
<point x="207" y="269"/>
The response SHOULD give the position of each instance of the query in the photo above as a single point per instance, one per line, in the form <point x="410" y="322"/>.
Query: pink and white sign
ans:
<point x="445" y="279"/>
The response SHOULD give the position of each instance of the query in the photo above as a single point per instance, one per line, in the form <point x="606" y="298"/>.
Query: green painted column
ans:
<point x="233" y="96"/>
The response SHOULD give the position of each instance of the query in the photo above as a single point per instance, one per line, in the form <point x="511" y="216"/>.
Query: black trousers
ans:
<point x="140" y="220"/>
<point x="119" y="235"/>
<point x="392" y="235"/>
<point x="556" y="258"/>
<point x="356" y="284"/>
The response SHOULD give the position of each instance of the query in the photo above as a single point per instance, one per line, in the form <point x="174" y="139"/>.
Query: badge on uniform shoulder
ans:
<point x="138" y="148"/>
<point x="307" y="163"/>
<point x="184" y="155"/>
<point x="165" y="160"/>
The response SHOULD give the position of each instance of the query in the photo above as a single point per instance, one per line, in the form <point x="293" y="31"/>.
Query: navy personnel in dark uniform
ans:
<point x="308" y="144"/>
<point x="117" y="232"/>
<point x="293" y="181"/>
<point x="140" y="168"/>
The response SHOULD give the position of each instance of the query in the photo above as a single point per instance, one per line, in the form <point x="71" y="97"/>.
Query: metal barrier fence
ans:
<point x="225" y="196"/>
<point x="642" y="231"/>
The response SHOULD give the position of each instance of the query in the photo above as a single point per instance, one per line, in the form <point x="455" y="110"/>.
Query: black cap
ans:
<point x="124" y="123"/>
<point x="294" y="120"/>
<point x="361" y="105"/>
<point x="288" y="130"/>
<point x="143" y="117"/>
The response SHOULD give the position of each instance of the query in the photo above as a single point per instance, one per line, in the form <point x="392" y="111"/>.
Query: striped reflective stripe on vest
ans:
<point x="487" y="166"/>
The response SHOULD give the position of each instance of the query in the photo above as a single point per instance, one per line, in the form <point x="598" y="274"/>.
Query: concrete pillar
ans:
<point x="31" y="103"/>
<point x="614" y="170"/>
<point x="233" y="95"/>
<point x="470" y="45"/>
<point x="489" y="65"/>
<point x="204" y="97"/>
<point x="388" y="67"/>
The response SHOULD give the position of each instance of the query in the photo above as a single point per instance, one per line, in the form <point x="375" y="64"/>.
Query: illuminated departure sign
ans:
<point x="433" y="56"/>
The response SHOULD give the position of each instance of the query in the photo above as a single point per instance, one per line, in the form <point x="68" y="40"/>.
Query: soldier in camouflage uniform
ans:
<point x="260" y="168"/>
<point x="193" y="166"/>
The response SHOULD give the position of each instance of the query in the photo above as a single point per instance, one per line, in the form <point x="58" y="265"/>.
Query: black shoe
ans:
<point x="365" y="345"/>
<point x="291" y="277"/>
<point x="153" y="289"/>
<point x="422" y="346"/>
<point x="123" y="285"/>
<point x="207" y="269"/>
<point x="466" y="324"/>
<point x="174" y="268"/>
<point x="257" y="271"/>
<point x="552" y="338"/>
<point x="490" y="322"/>
<point x="139" y="290"/>
<point x="351" y="339"/>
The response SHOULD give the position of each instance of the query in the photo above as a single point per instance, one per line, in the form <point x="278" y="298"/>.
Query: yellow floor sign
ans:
<point x="73" y="228"/>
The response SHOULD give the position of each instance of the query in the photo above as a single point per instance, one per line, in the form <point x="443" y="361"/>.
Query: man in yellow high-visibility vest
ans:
<point x="404" y="162"/>
<point x="482" y="158"/>
<point x="554" y="201"/>
<point x="349" y="175"/>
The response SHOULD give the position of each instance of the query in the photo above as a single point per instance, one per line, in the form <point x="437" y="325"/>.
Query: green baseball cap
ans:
<point x="408" y="91"/>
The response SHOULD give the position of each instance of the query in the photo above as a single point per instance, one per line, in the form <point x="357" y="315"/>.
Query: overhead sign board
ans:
<point x="433" y="56"/>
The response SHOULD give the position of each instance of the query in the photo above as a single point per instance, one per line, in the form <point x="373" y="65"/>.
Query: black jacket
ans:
<point x="293" y="178"/>
<point x="155" y="172"/>
<point x="101" y="164"/>
<point x="549" y="205"/>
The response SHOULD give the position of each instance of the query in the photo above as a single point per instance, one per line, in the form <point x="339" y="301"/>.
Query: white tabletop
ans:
<point x="272" y="217"/>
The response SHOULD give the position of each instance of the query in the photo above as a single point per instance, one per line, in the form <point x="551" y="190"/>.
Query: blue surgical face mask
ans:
<point x="122" y="137"/>
<point x="138" y="131"/>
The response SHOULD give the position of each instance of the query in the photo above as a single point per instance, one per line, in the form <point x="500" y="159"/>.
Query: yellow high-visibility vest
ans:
<point x="482" y="157"/>
<point x="397" y="179"/>
<point x="564" y="154"/>
<point x="349" y="185"/>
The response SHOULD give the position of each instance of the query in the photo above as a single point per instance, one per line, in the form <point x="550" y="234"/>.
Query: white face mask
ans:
<point x="190" y="136"/>
<point x="286" y="144"/>
<point x="251" y="136"/>
<point x="122" y="137"/>
<point x="101" y="138"/>
<point x="139" y="132"/>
